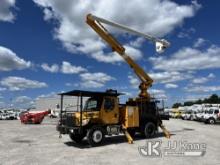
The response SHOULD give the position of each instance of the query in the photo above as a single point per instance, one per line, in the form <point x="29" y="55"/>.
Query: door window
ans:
<point x="216" y="111"/>
<point x="91" y="104"/>
<point x="109" y="104"/>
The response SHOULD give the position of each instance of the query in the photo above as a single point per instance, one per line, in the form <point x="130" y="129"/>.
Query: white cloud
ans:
<point x="168" y="77"/>
<point x="186" y="33"/>
<point x="48" y="14"/>
<point x="94" y="80"/>
<point x="23" y="102"/>
<point x="203" y="89"/>
<point x="199" y="42"/>
<point x="67" y="68"/>
<point x="189" y="59"/>
<point x="133" y="81"/>
<point x="211" y="75"/>
<point x="9" y="60"/>
<point x="202" y="80"/>
<point x="2" y="89"/>
<point x="19" y="83"/>
<point x="5" y="10"/>
<point x="169" y="85"/>
<point x="158" y="93"/>
<point x="53" y="68"/>
<point x="137" y="43"/>
<point x="69" y="84"/>
<point x="2" y="104"/>
<point x="48" y="95"/>
<point x="77" y="37"/>
<point x="72" y="84"/>
<point x="22" y="99"/>
<point x="113" y="57"/>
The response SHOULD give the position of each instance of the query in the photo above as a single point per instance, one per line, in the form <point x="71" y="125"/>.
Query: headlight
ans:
<point x="85" y="121"/>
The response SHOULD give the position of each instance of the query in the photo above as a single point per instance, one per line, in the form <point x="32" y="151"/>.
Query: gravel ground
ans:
<point x="39" y="144"/>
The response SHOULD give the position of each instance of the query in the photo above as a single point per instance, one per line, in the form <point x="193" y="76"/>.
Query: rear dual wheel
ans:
<point x="149" y="130"/>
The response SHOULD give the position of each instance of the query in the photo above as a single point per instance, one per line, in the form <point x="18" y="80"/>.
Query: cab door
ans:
<point x="110" y="110"/>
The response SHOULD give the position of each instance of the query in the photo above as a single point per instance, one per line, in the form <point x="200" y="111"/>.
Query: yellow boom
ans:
<point x="146" y="80"/>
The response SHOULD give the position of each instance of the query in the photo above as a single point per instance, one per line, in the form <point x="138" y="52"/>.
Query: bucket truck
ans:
<point x="103" y="114"/>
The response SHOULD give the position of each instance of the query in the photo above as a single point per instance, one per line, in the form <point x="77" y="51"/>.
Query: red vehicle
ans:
<point x="33" y="117"/>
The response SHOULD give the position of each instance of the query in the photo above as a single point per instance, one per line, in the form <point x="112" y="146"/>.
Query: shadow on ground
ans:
<point x="183" y="130"/>
<point x="111" y="140"/>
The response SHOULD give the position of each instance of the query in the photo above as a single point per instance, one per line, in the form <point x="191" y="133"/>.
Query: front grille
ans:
<point x="70" y="120"/>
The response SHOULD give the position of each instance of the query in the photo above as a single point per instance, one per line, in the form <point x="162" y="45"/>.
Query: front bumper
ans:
<point x="63" y="129"/>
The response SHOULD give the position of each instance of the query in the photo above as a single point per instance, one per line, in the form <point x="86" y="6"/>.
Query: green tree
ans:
<point x="188" y="103"/>
<point x="198" y="101"/>
<point x="214" y="99"/>
<point x="176" y="105"/>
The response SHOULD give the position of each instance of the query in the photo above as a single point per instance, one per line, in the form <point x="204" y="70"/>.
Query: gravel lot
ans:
<point x="39" y="144"/>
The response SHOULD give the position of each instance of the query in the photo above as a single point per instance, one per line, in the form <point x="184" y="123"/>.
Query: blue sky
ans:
<point x="46" y="47"/>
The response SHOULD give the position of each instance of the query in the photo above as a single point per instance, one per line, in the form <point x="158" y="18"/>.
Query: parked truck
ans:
<point x="103" y="115"/>
<point x="212" y="116"/>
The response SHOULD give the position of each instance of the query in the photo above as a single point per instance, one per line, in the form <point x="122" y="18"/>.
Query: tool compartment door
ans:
<point x="131" y="116"/>
<point x="110" y="110"/>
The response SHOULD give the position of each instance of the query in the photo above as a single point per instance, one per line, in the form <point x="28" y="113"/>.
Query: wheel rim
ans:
<point x="211" y="121"/>
<point x="97" y="136"/>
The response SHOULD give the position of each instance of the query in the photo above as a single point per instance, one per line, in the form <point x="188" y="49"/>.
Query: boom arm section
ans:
<point x="146" y="80"/>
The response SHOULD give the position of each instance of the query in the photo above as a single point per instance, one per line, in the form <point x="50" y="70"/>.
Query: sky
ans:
<point x="46" y="47"/>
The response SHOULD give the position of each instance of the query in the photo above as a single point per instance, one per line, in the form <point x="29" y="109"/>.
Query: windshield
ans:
<point x="210" y="111"/>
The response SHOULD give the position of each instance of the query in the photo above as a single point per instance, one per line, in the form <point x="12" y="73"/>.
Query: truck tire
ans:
<point x="149" y="129"/>
<point x="211" y="121"/>
<point x="77" y="138"/>
<point x="95" y="136"/>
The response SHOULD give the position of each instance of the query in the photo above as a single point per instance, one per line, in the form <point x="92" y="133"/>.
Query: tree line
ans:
<point x="213" y="99"/>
